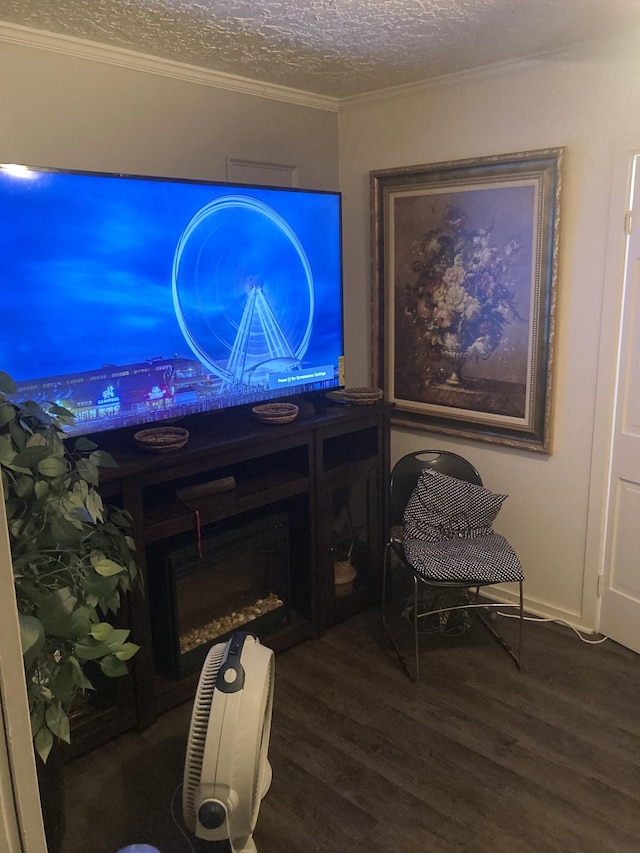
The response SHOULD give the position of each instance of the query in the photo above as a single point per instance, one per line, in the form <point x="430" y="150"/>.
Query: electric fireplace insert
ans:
<point x="199" y="593"/>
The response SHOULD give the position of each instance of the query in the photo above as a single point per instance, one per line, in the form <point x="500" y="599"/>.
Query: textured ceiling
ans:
<point x="335" y="48"/>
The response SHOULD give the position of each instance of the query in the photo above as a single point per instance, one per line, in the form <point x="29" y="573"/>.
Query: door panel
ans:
<point x="624" y="575"/>
<point x="620" y="612"/>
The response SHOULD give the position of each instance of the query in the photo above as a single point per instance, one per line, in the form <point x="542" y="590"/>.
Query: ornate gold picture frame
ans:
<point x="464" y="274"/>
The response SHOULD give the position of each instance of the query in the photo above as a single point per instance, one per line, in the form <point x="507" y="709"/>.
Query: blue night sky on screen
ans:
<point x="86" y="266"/>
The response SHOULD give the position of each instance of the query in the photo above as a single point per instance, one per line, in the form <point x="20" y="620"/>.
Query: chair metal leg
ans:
<point x="517" y="657"/>
<point x="401" y="657"/>
<point x="521" y="611"/>
<point x="415" y="626"/>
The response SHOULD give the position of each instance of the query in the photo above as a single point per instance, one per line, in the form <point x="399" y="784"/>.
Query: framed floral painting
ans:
<point x="464" y="269"/>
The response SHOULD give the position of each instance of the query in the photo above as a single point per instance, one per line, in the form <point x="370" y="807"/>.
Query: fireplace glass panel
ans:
<point x="239" y="582"/>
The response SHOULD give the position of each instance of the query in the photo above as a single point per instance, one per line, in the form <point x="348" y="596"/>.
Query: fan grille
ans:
<point x="261" y="763"/>
<point x="198" y="733"/>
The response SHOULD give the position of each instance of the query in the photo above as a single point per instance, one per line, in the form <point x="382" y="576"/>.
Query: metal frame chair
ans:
<point x="404" y="477"/>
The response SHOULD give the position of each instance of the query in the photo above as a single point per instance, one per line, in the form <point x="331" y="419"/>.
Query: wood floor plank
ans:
<point x="362" y="782"/>
<point x="465" y="762"/>
<point x="308" y="812"/>
<point x="570" y="737"/>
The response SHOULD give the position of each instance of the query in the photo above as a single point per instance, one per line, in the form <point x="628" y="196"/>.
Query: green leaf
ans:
<point x="82" y="680"/>
<point x="90" y="649"/>
<point x="51" y="467"/>
<point x="67" y="680"/>
<point x="36" y="440"/>
<point x="41" y="488"/>
<point x="94" y="505"/>
<point x="98" y="586"/>
<point x="31" y="635"/>
<point x="61" y="412"/>
<point x="62" y="617"/>
<point x="7" y="413"/>
<point x="88" y="471"/>
<point x="112" y="604"/>
<point x="7" y="384"/>
<point x="55" y="610"/>
<point x="107" y="568"/>
<point x="47" y="695"/>
<point x="102" y="631"/>
<point x="32" y="457"/>
<point x="117" y="639"/>
<point x="58" y="722"/>
<point x="37" y="717"/>
<point x="120" y="517"/>
<point x="85" y="445"/>
<point x="103" y="459"/>
<point x="23" y="486"/>
<point x="81" y="489"/>
<point x="7" y="453"/>
<point x="75" y="511"/>
<point x="11" y="504"/>
<point x="127" y="651"/>
<point x="19" y="432"/>
<point x="65" y="534"/>
<point x="81" y="620"/>
<point x="112" y="667"/>
<point x="43" y="741"/>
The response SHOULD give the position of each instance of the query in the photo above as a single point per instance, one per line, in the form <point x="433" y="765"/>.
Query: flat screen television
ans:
<point x="131" y="300"/>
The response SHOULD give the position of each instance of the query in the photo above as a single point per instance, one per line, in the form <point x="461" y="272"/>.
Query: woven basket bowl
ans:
<point x="275" y="413"/>
<point x="362" y="396"/>
<point x="162" y="439"/>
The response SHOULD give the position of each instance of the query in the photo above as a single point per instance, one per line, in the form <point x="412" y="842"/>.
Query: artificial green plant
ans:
<point x="72" y="559"/>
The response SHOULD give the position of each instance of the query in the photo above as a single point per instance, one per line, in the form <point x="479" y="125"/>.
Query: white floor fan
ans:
<point x="227" y="772"/>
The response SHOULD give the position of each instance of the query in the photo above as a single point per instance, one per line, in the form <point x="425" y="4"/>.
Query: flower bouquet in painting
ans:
<point x="460" y="299"/>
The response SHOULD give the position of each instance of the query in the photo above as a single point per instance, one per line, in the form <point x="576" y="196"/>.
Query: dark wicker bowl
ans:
<point x="275" y="413"/>
<point x="362" y="396"/>
<point x="162" y="439"/>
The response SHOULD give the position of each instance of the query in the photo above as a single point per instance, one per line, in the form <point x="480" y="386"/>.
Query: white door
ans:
<point x="620" y="608"/>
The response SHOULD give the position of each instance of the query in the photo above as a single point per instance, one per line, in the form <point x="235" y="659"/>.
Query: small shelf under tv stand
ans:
<point x="308" y="468"/>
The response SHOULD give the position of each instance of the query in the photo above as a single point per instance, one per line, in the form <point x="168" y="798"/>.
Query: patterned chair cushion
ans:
<point x="448" y="534"/>
<point x="482" y="559"/>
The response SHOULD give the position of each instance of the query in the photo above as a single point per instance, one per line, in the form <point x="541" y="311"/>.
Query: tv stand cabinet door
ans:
<point x="351" y="514"/>
<point x="353" y="476"/>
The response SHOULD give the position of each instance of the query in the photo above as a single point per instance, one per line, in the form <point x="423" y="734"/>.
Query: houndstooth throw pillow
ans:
<point x="448" y="534"/>
<point x="442" y="506"/>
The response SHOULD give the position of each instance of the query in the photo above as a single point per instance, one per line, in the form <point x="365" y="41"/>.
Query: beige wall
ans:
<point x="586" y="105"/>
<point x="66" y="111"/>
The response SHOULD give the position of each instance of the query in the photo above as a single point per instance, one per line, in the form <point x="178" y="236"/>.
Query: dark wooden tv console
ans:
<point x="327" y="471"/>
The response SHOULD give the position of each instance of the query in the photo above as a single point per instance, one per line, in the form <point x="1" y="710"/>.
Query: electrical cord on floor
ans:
<point x="175" y="820"/>
<point x="558" y="622"/>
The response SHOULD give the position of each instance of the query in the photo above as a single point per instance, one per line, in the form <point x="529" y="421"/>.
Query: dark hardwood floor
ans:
<point x="477" y="757"/>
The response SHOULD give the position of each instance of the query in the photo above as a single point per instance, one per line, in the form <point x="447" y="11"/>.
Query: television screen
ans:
<point x="130" y="300"/>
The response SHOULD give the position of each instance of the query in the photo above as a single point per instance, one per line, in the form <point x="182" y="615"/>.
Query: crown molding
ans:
<point x="625" y="44"/>
<point x="71" y="46"/>
<point x="446" y="81"/>
<point x="124" y="58"/>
